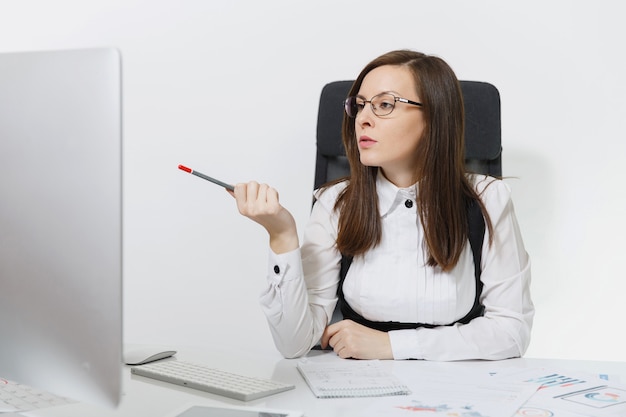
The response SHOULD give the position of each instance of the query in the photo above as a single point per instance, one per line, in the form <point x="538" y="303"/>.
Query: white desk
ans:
<point x="149" y="398"/>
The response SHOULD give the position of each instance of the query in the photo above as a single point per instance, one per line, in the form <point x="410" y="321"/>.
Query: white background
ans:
<point x="231" y="89"/>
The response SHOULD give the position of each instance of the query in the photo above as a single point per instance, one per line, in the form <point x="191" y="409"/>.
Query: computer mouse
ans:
<point x="139" y="356"/>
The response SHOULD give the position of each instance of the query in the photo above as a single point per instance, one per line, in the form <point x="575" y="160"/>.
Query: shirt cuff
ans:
<point x="283" y="267"/>
<point x="405" y="344"/>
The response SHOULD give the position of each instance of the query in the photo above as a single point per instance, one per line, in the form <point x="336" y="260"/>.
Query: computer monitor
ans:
<point x="61" y="222"/>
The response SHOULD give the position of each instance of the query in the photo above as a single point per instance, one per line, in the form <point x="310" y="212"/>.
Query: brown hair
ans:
<point x="444" y="190"/>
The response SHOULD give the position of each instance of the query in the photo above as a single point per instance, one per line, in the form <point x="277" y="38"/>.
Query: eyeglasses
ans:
<point x="382" y="104"/>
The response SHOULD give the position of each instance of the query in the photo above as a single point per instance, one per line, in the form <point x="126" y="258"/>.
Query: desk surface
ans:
<point x="146" y="397"/>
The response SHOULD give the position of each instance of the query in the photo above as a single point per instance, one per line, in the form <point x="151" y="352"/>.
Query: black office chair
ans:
<point x="483" y="146"/>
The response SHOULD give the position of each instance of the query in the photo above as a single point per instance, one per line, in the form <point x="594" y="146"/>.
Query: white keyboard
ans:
<point x="211" y="380"/>
<point x="19" y="397"/>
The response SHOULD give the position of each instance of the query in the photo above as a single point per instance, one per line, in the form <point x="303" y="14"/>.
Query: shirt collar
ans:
<point x="390" y="196"/>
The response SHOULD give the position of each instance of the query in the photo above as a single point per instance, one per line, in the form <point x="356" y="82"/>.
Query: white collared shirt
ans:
<point x="391" y="282"/>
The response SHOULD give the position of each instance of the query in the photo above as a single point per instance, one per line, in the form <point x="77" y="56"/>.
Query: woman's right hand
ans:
<point x="260" y="203"/>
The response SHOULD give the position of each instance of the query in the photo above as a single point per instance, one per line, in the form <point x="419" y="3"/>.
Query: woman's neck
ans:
<point x="399" y="179"/>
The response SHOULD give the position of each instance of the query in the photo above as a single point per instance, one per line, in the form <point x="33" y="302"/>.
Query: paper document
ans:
<point x="569" y="394"/>
<point x="350" y="378"/>
<point x="458" y="393"/>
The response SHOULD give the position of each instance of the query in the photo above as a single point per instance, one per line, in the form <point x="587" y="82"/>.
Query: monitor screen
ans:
<point x="61" y="222"/>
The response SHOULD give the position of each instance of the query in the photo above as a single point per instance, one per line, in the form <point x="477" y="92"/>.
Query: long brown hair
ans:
<point x="444" y="190"/>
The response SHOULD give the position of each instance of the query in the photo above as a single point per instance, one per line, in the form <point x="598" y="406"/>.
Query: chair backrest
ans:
<point x="483" y="146"/>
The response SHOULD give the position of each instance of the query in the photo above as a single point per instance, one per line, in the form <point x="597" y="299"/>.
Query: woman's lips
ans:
<point x="366" y="142"/>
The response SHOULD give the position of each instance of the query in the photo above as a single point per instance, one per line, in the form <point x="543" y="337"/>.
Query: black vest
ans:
<point x="476" y="236"/>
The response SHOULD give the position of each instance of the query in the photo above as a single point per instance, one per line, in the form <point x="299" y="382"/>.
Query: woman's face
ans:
<point x="390" y="142"/>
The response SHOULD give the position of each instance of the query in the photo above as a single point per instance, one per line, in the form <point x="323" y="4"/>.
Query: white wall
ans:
<point x="231" y="89"/>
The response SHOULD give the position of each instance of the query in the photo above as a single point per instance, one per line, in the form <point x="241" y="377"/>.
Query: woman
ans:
<point x="402" y="217"/>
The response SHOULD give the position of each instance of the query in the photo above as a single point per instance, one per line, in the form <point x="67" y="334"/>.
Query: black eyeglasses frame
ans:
<point x="349" y="104"/>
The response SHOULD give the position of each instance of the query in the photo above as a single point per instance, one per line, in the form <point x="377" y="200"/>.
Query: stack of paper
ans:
<point x="350" y="379"/>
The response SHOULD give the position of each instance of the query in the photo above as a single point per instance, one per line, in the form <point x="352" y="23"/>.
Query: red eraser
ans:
<point x="184" y="168"/>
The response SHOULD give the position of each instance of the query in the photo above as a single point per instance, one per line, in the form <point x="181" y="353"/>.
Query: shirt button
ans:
<point x="408" y="203"/>
<point x="276" y="269"/>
